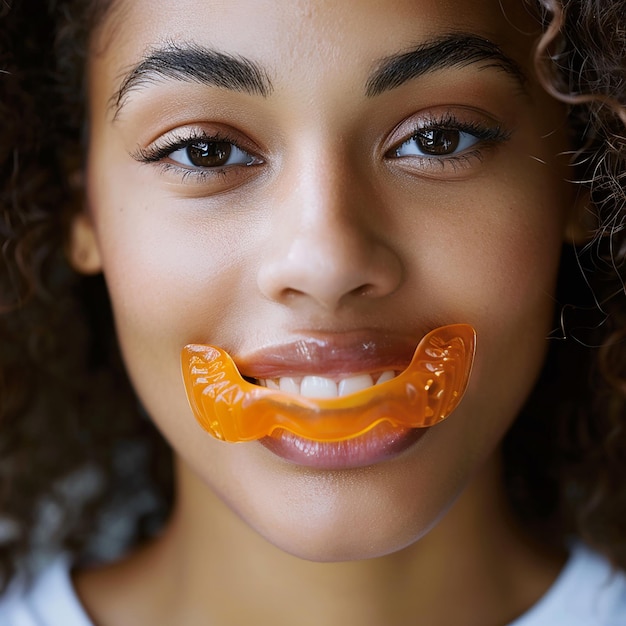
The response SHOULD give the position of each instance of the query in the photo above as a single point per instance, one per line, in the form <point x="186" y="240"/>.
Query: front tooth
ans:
<point x="270" y="384"/>
<point x="318" y="387"/>
<point x="385" y="376"/>
<point x="289" y="385"/>
<point x="355" y="383"/>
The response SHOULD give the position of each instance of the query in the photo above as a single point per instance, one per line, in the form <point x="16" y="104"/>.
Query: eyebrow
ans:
<point x="450" y="51"/>
<point x="194" y="63"/>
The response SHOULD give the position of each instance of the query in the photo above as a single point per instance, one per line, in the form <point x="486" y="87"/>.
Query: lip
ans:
<point x="333" y="357"/>
<point x="382" y="443"/>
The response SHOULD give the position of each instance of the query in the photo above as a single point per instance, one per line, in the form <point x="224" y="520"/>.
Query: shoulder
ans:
<point x="49" y="601"/>
<point x="588" y="592"/>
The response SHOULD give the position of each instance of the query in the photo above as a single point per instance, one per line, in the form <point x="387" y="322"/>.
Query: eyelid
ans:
<point x="199" y="181"/>
<point x="488" y="131"/>
<point x="463" y="119"/>
<point x="165" y="145"/>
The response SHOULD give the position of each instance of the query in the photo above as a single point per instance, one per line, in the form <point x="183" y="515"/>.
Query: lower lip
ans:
<point x="380" y="444"/>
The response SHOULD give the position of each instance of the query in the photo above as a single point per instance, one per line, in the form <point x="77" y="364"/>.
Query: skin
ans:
<point x="327" y="237"/>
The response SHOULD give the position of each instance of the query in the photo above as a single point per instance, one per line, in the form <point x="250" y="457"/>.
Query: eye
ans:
<point x="436" y="142"/>
<point x="445" y="143"/>
<point x="203" y="153"/>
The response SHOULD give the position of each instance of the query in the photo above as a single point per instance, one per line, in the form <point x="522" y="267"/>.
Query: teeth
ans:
<point x="289" y="385"/>
<point x="322" y="387"/>
<point x="318" y="387"/>
<point x="385" y="376"/>
<point x="355" y="383"/>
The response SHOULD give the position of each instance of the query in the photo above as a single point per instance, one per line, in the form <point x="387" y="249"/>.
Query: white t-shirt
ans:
<point x="586" y="593"/>
<point x="51" y="601"/>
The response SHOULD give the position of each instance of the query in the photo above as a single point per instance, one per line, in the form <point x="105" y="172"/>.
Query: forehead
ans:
<point x="295" y="38"/>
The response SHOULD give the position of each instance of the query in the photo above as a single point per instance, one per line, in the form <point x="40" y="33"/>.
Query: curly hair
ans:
<point x="72" y="434"/>
<point x="75" y="446"/>
<point x="576" y="485"/>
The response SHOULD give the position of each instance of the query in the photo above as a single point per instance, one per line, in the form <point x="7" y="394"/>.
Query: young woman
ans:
<point x="312" y="187"/>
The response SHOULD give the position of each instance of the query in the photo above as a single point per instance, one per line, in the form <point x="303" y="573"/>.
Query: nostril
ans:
<point x="288" y="293"/>
<point x="364" y="291"/>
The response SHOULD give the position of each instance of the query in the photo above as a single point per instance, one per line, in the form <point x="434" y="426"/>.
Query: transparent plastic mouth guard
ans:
<point x="233" y="409"/>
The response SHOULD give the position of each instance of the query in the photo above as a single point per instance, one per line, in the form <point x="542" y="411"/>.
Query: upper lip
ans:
<point x="334" y="356"/>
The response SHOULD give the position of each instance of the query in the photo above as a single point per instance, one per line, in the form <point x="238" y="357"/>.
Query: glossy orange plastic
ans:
<point x="233" y="409"/>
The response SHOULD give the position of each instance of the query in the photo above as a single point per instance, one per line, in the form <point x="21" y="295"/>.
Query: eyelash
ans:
<point x="157" y="154"/>
<point x="486" y="136"/>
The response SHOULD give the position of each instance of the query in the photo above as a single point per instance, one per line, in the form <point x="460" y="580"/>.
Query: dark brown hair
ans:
<point x="574" y="425"/>
<point x="81" y="468"/>
<point x="76" y="452"/>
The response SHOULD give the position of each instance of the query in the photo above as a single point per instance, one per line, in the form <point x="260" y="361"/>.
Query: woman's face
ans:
<point x="274" y="177"/>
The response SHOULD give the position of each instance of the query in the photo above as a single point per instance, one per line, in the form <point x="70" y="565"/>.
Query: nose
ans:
<point x="329" y="244"/>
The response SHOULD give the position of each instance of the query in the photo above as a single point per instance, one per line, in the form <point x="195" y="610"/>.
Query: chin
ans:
<point x="334" y="544"/>
<point x="342" y="516"/>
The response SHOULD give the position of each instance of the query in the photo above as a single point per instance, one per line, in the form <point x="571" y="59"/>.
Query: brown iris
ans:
<point x="439" y="141"/>
<point x="209" y="153"/>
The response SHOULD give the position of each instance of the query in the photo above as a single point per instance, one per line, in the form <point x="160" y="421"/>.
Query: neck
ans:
<point x="475" y="567"/>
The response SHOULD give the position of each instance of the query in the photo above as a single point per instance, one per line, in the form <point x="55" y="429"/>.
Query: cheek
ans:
<point x="173" y="279"/>
<point x="502" y="253"/>
<point x="508" y="277"/>
<point x="510" y="263"/>
<point x="166" y="278"/>
<point x="491" y="259"/>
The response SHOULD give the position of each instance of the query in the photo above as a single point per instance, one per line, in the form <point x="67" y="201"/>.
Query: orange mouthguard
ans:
<point x="232" y="409"/>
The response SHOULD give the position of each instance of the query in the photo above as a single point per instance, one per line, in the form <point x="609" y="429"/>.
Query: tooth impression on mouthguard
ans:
<point x="233" y="409"/>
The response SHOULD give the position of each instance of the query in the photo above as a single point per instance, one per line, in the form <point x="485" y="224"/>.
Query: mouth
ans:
<point x="329" y="409"/>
